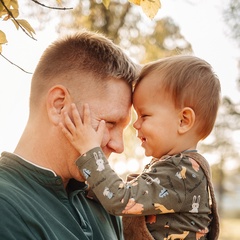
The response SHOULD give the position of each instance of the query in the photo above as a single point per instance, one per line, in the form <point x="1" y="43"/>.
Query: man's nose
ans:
<point x="116" y="144"/>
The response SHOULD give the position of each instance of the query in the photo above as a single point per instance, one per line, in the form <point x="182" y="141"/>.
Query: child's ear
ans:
<point x="186" y="120"/>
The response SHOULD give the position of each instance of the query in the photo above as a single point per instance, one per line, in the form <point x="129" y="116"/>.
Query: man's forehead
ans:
<point x="120" y="116"/>
<point x="116" y="113"/>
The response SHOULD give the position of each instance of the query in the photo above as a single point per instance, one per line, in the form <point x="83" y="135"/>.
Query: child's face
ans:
<point x="158" y="121"/>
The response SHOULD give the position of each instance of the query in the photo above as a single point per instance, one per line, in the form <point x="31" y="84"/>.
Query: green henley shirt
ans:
<point x="35" y="205"/>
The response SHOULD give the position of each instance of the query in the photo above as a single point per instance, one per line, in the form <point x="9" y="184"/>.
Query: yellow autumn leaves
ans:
<point x="149" y="7"/>
<point x="9" y="10"/>
<point x="3" y="39"/>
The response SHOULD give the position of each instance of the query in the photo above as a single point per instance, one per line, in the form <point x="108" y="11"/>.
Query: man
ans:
<point x="41" y="193"/>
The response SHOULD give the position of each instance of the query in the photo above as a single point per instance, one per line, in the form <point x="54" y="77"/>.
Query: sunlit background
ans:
<point x="200" y="27"/>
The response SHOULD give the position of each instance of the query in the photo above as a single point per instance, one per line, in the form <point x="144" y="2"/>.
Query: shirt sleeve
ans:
<point x="159" y="190"/>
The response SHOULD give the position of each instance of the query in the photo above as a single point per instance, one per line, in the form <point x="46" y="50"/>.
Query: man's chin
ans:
<point x="106" y="152"/>
<point x="107" y="155"/>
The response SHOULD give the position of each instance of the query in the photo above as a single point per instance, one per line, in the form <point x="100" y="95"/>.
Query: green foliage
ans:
<point x="144" y="40"/>
<point x="9" y="9"/>
<point x="232" y="19"/>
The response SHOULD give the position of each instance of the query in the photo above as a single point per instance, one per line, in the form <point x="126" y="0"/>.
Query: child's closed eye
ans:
<point x="144" y="115"/>
<point x="110" y="124"/>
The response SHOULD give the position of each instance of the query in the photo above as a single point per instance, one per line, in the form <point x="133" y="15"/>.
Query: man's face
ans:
<point x="113" y="105"/>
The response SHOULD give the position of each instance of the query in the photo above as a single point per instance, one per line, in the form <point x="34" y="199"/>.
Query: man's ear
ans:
<point x="58" y="98"/>
<point x="186" y="120"/>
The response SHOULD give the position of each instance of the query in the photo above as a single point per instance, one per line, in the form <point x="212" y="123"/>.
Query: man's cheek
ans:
<point x="95" y="125"/>
<point x="106" y="138"/>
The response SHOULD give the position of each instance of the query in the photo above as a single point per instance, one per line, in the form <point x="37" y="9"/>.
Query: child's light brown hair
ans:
<point x="191" y="82"/>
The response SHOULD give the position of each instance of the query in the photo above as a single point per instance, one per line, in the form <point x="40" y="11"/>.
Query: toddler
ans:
<point x="176" y="100"/>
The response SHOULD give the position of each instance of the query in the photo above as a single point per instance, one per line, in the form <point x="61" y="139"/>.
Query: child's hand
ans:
<point x="80" y="132"/>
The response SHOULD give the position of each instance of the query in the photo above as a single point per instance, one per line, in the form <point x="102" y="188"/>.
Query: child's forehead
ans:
<point x="150" y="83"/>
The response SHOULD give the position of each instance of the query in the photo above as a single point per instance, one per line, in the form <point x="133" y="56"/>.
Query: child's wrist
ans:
<point x="88" y="148"/>
<point x="89" y="152"/>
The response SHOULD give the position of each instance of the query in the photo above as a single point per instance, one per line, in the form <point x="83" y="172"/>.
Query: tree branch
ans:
<point x="15" y="64"/>
<point x="15" y="20"/>
<point x="56" y="8"/>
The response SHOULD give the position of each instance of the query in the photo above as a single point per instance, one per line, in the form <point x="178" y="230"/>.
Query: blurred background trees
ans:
<point x="122" y="23"/>
<point x="145" y="41"/>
